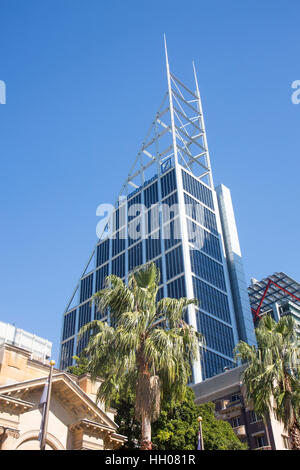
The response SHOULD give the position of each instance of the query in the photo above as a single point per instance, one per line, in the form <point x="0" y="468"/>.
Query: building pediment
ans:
<point x="14" y="404"/>
<point x="86" y="427"/>
<point x="66" y="391"/>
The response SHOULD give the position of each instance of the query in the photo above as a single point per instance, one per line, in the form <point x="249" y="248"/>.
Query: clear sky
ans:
<point x="84" y="79"/>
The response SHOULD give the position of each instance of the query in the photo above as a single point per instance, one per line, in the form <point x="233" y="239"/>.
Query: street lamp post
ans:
<point x="200" y="435"/>
<point x="47" y="406"/>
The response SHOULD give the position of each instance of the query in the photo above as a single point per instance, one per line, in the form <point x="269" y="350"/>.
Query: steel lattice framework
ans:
<point x="176" y="136"/>
<point x="273" y="289"/>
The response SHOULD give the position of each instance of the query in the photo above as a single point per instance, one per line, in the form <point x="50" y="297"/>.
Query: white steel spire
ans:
<point x="177" y="134"/>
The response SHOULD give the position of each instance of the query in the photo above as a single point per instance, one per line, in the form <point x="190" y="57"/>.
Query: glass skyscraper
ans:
<point x="169" y="212"/>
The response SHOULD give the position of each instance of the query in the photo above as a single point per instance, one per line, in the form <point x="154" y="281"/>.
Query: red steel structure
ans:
<point x="256" y="313"/>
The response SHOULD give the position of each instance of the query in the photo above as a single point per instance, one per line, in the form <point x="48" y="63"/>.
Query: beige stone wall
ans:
<point x="16" y="366"/>
<point x="59" y="420"/>
<point x="278" y="432"/>
<point x="20" y="423"/>
<point x="8" y="418"/>
<point x="33" y="444"/>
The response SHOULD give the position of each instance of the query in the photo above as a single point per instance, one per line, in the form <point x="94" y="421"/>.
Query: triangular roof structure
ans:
<point x="176" y="136"/>
<point x="66" y="391"/>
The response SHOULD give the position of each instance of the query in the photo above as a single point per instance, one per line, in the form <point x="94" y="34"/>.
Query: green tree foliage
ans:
<point x="272" y="378"/>
<point x="81" y="366"/>
<point x="177" y="426"/>
<point x="126" y="419"/>
<point x="137" y="352"/>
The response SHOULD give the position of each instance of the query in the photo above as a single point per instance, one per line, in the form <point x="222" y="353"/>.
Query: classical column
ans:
<point x="9" y="438"/>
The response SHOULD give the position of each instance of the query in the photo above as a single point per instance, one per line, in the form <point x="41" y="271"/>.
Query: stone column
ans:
<point x="9" y="438"/>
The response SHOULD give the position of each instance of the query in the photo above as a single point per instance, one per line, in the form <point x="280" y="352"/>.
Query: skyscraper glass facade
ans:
<point x="169" y="213"/>
<point x="159" y="225"/>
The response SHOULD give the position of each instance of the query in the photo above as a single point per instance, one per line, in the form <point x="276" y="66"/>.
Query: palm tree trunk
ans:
<point x="267" y="420"/>
<point x="146" y="432"/>
<point x="294" y="433"/>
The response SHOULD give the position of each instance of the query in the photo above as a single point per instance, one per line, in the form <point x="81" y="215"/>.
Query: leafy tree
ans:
<point x="218" y="434"/>
<point x="137" y="353"/>
<point x="273" y="373"/>
<point x="126" y="418"/>
<point x="81" y="366"/>
<point x="177" y="427"/>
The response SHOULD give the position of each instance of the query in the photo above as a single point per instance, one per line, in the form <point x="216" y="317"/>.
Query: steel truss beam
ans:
<point x="256" y="313"/>
<point x="177" y="133"/>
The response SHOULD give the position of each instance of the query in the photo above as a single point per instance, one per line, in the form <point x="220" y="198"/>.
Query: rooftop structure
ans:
<point x="39" y="348"/>
<point x="168" y="212"/>
<point x="277" y="295"/>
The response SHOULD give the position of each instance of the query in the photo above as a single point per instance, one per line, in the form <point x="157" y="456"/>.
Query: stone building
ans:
<point x="228" y="394"/>
<point x="76" y="422"/>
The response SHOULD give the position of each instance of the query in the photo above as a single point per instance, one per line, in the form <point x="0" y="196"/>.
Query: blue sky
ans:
<point x="84" y="79"/>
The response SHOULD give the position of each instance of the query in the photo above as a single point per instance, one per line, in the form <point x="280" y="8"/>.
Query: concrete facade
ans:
<point x="39" y="348"/>
<point x="76" y="421"/>
<point x="235" y="267"/>
<point x="228" y="394"/>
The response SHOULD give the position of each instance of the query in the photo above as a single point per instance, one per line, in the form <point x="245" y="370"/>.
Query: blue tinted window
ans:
<point x="135" y="200"/>
<point x="101" y="274"/>
<point x="168" y="183"/>
<point x="213" y="364"/>
<point x="103" y="252"/>
<point x="204" y="240"/>
<point x="119" y="218"/>
<point x="174" y="262"/>
<point x="171" y="200"/>
<point x="118" y="242"/>
<point x="172" y="233"/>
<point x="69" y="325"/>
<point x="134" y="230"/>
<point x="151" y="195"/>
<point x="135" y="256"/>
<point x="84" y="317"/>
<point x="217" y="335"/>
<point x="170" y="207"/>
<point x="67" y="353"/>
<point x="201" y="214"/>
<point x="211" y="300"/>
<point x="160" y="294"/>
<point x="153" y="248"/>
<point x="197" y="189"/>
<point x="176" y="289"/>
<point x="208" y="269"/>
<point x="86" y="288"/>
<point x="152" y="219"/>
<point x="118" y="266"/>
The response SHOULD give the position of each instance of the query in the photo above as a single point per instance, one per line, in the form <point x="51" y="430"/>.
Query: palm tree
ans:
<point x="148" y="348"/>
<point x="272" y="378"/>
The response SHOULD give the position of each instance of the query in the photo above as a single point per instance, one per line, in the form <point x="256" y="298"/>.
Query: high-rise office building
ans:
<point x="168" y="211"/>
<point x="277" y="295"/>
